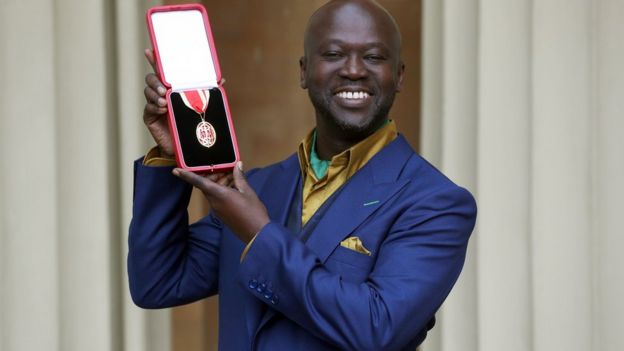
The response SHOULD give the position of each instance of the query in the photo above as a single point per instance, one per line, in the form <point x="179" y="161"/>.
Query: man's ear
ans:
<point x="400" y="76"/>
<point x="302" y="70"/>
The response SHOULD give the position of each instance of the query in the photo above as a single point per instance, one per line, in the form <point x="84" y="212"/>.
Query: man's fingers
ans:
<point x="240" y="183"/>
<point x="155" y="84"/>
<point x="207" y="186"/>
<point x="152" y="97"/>
<point x="226" y="180"/>
<point x="155" y="107"/>
<point x="214" y="177"/>
<point x="191" y="178"/>
<point x="155" y="110"/>
<point x="153" y="113"/>
<point x="149" y="55"/>
<point x="223" y="179"/>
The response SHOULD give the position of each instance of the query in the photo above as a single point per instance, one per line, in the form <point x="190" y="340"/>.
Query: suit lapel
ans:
<point x="368" y="189"/>
<point x="362" y="195"/>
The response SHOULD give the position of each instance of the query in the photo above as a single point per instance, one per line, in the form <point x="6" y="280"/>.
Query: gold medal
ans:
<point x="206" y="134"/>
<point x="197" y="100"/>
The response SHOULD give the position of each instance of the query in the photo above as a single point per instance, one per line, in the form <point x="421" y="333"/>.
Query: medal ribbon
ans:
<point x="196" y="100"/>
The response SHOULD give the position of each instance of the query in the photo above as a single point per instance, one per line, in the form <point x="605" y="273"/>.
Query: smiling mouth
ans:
<point x="353" y="95"/>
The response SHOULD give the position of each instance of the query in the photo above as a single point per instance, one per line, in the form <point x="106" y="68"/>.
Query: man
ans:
<point x="352" y="243"/>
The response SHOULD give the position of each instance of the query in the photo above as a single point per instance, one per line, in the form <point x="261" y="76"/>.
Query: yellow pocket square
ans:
<point x="354" y="243"/>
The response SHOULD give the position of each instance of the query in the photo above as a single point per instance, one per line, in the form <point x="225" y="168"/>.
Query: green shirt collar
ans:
<point x="319" y="166"/>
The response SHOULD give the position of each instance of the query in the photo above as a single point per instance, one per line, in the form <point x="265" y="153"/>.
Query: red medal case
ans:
<point x="187" y="60"/>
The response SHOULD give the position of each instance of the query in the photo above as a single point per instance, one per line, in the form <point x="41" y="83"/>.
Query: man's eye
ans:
<point x="332" y="54"/>
<point x="374" y="58"/>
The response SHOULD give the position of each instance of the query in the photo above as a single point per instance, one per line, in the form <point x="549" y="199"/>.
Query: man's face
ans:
<point x="352" y="69"/>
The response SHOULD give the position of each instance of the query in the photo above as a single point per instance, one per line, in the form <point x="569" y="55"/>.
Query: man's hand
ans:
<point x="155" y="112"/>
<point x="237" y="206"/>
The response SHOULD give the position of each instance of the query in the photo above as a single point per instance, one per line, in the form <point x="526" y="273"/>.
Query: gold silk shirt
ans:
<point x="341" y="167"/>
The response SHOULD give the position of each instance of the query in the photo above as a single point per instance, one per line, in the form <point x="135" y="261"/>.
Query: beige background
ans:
<point x="521" y="102"/>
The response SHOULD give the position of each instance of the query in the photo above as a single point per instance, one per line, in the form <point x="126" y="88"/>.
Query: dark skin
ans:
<point x="351" y="47"/>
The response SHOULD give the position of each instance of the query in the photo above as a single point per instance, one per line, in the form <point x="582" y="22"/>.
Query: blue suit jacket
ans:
<point x="317" y="295"/>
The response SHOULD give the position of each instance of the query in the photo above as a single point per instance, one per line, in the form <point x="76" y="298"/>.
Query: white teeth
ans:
<point x="358" y="95"/>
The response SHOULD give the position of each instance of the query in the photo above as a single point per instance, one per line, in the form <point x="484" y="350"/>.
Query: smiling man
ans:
<point x="351" y="243"/>
<point x="352" y="69"/>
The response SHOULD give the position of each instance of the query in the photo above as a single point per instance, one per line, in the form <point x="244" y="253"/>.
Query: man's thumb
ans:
<point x="239" y="178"/>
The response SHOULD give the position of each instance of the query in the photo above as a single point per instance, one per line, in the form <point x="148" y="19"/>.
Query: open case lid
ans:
<point x="184" y="46"/>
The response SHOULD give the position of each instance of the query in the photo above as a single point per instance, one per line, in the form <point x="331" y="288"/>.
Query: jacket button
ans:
<point x="275" y="299"/>
<point x="261" y="288"/>
<point x="253" y="284"/>
<point x="268" y="294"/>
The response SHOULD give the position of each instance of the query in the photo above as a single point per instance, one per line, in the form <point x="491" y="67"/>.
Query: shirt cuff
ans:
<point x="153" y="158"/>
<point x="248" y="247"/>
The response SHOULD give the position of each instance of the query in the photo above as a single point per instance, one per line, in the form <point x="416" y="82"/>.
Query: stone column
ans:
<point x="504" y="153"/>
<point x="143" y="330"/>
<point x="607" y="180"/>
<point x="71" y="104"/>
<point x="449" y="125"/>
<point x="29" y="217"/>
<point x="548" y="90"/>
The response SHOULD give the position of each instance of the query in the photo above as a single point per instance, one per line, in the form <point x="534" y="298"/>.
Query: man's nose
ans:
<point x="354" y="68"/>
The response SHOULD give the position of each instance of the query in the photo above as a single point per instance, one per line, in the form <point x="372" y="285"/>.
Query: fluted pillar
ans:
<point x="30" y="279"/>
<point x="504" y="153"/>
<point x="548" y="92"/>
<point x="143" y="330"/>
<point x="71" y="104"/>
<point x="86" y="165"/>
<point x="561" y="170"/>
<point x="458" y="135"/>
<point x="607" y="175"/>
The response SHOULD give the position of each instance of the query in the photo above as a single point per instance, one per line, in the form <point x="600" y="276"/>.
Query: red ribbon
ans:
<point x="196" y="99"/>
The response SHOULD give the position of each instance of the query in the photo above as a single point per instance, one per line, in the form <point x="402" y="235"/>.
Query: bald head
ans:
<point x="352" y="69"/>
<point x="352" y="11"/>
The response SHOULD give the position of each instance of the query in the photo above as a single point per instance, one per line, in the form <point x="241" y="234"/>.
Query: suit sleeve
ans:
<point x="169" y="262"/>
<point x="416" y="267"/>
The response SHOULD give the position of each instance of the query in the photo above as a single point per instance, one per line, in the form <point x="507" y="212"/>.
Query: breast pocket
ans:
<point x="350" y="265"/>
